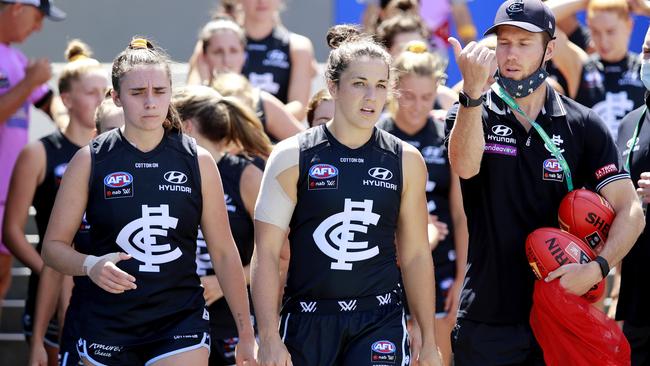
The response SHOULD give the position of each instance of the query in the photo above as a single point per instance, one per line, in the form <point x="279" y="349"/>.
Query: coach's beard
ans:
<point x="524" y="87"/>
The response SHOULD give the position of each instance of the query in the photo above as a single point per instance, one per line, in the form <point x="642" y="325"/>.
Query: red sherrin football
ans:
<point x="586" y="215"/>
<point x="549" y="248"/>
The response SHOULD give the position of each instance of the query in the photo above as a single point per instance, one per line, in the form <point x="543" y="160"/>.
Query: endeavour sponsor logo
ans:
<point x="606" y="170"/>
<point x="500" y="149"/>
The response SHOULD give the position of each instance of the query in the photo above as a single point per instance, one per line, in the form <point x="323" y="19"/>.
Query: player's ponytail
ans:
<point x="222" y="120"/>
<point x="141" y="51"/>
<point x="79" y="63"/>
<point x="244" y="128"/>
<point x="349" y="44"/>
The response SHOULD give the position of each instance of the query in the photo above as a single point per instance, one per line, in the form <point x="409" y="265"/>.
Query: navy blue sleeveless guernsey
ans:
<point x="342" y="233"/>
<point x="611" y="89"/>
<point x="147" y="204"/>
<point x="430" y="141"/>
<point x="268" y="63"/>
<point x="231" y="167"/>
<point x="58" y="153"/>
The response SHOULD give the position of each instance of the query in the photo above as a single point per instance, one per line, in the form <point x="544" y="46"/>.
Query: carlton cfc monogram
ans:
<point x="341" y="234"/>
<point x="138" y="238"/>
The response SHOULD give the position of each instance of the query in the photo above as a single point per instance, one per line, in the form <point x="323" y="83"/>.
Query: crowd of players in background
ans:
<point x="253" y="76"/>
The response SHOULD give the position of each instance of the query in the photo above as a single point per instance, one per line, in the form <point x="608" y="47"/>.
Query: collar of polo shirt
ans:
<point x="553" y="103"/>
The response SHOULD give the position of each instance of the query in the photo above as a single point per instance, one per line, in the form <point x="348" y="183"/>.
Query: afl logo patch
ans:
<point x="118" y="185"/>
<point x="383" y="351"/>
<point x="323" y="171"/>
<point x="552" y="165"/>
<point x="323" y="176"/>
<point x="552" y="170"/>
<point x="383" y="347"/>
<point x="118" y="180"/>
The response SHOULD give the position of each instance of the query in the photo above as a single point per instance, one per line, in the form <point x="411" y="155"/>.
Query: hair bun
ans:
<point x="416" y="47"/>
<point x="341" y="33"/>
<point x="140" y="43"/>
<point x="77" y="50"/>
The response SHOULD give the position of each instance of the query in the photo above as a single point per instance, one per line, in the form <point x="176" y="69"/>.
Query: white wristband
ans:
<point x="89" y="263"/>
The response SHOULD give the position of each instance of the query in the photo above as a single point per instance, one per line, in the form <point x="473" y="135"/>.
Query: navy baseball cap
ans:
<point x="531" y="15"/>
<point x="46" y="6"/>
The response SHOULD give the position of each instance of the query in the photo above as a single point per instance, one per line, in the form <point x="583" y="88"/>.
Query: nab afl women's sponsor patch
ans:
<point x="323" y="176"/>
<point x="552" y="170"/>
<point x="118" y="185"/>
<point x="383" y="351"/>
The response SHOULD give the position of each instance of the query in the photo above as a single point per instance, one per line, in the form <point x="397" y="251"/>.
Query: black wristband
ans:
<point x="604" y="266"/>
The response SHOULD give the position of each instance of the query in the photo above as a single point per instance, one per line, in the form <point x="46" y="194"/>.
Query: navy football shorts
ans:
<point x="141" y="354"/>
<point x="347" y="334"/>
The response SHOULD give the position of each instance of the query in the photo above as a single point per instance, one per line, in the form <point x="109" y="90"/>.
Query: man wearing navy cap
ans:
<point x="519" y="148"/>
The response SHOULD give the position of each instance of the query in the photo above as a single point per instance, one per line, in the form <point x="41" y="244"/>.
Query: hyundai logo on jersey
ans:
<point x="175" y="177"/>
<point x="118" y="185"/>
<point x="502" y="130"/>
<point x="383" y="351"/>
<point x="380" y="173"/>
<point x="323" y="176"/>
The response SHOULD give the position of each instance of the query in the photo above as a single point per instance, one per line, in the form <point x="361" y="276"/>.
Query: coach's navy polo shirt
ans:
<point x="517" y="190"/>
<point x="634" y="299"/>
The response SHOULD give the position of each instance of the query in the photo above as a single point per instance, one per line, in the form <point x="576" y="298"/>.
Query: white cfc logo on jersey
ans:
<point x="138" y="238"/>
<point x="339" y="244"/>
<point x="614" y="107"/>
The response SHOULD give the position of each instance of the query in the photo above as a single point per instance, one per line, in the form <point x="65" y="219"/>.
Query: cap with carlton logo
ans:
<point x="531" y="15"/>
<point x="46" y="6"/>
